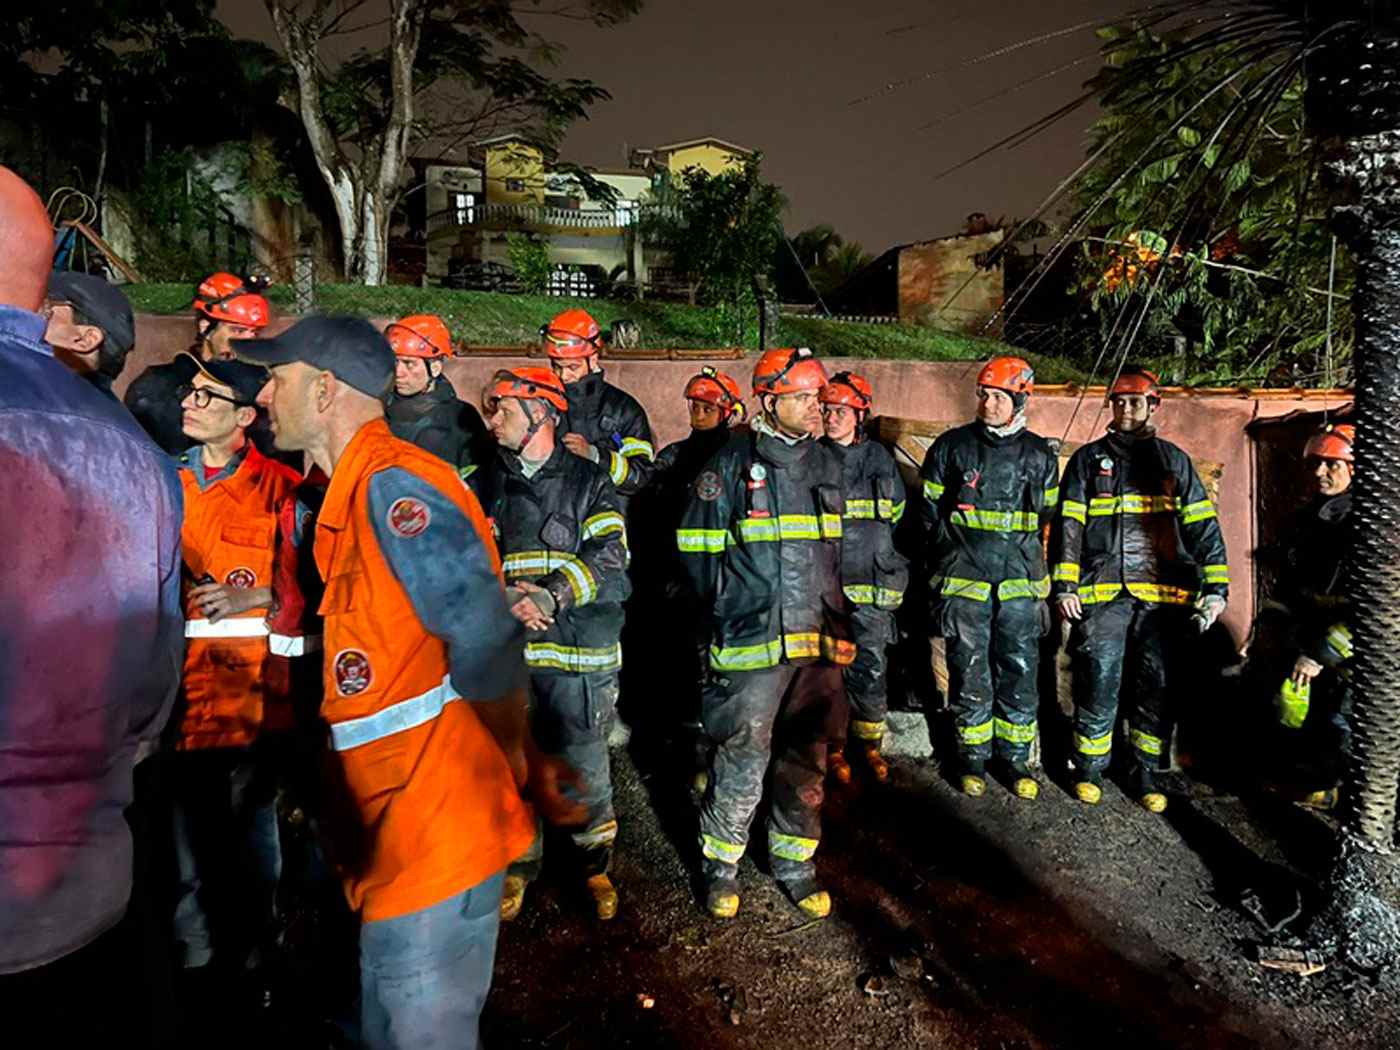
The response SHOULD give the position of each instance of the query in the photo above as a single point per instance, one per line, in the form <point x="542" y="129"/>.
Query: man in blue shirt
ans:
<point x="91" y="636"/>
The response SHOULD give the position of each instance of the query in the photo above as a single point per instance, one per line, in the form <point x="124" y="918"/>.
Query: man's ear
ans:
<point x="326" y="388"/>
<point x="434" y="369"/>
<point x="89" y="339"/>
<point x="246" y="416"/>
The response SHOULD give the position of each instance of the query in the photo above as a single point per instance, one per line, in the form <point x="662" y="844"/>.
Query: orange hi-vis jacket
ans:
<point x="428" y="805"/>
<point x="229" y="535"/>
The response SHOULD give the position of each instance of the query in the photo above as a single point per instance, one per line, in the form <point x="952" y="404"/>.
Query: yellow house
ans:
<point x="711" y="155"/>
<point x="515" y="171"/>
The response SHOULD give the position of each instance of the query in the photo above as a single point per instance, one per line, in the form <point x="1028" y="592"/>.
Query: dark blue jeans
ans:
<point x="424" y="976"/>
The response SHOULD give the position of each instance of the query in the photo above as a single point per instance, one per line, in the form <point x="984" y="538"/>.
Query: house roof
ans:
<point x="510" y="136"/>
<point x="671" y="147"/>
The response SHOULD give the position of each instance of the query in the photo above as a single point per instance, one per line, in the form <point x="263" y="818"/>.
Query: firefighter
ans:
<point x="873" y="573"/>
<point x="604" y="424"/>
<point x="424" y="692"/>
<point x="564" y="551"/>
<point x="1140" y="566"/>
<point x="761" y="543"/>
<point x="226" y="309"/>
<point x="1311" y="587"/>
<point x="990" y="486"/>
<point x="234" y="700"/>
<point x="90" y="327"/>
<point x="424" y="408"/>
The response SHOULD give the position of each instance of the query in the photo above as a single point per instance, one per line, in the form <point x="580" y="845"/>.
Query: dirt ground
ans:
<point x="958" y="923"/>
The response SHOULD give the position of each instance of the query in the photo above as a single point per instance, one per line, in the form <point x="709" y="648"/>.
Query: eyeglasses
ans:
<point x="203" y="395"/>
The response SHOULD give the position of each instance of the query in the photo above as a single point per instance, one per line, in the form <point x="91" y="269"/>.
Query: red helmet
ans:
<point x="788" y="372"/>
<point x="1012" y="374"/>
<point x="1334" y="442"/>
<point x="715" y="388"/>
<point x="849" y="389"/>
<point x="1135" y="381"/>
<point x="573" y="333"/>
<point x="526" y="383"/>
<point x="422" y="335"/>
<point x="227" y="297"/>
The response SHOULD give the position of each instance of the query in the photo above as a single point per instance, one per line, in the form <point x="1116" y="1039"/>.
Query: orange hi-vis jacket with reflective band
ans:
<point x="229" y="535"/>
<point x="428" y="803"/>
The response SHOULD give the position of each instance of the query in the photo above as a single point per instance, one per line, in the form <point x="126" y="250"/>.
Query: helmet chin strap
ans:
<point x="535" y="425"/>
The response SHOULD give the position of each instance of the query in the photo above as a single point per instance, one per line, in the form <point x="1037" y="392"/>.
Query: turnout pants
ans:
<point x="570" y="717"/>
<point x="771" y="723"/>
<point x="993" y="649"/>
<point x="873" y="631"/>
<point x="1132" y="642"/>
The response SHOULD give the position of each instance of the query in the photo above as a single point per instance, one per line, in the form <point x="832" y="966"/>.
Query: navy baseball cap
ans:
<point x="98" y="302"/>
<point x="243" y="379"/>
<point x="350" y="348"/>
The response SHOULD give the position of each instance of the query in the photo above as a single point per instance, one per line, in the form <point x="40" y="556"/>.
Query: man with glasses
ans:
<point x="89" y="325"/>
<point x="234" y="707"/>
<point x="761" y="544"/>
<point x="603" y="423"/>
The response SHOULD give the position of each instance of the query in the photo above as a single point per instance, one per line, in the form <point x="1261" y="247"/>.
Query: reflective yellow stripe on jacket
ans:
<point x="537" y="563"/>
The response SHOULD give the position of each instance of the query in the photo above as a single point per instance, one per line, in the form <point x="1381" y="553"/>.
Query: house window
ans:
<point x="464" y="208"/>
<point x="515" y="185"/>
<point x="626" y="213"/>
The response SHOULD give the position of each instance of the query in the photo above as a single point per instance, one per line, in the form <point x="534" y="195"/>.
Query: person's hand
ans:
<point x="578" y="445"/>
<point x="1071" y="608"/>
<point x="1305" y="669"/>
<point x="1208" y="610"/>
<point x="547" y="778"/>
<point x="528" y="610"/>
<point x="217" y="600"/>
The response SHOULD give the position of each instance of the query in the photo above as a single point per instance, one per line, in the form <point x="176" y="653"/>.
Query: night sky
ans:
<point x="779" y="76"/>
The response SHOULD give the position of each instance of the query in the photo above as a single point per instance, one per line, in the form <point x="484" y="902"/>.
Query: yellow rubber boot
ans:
<point x="1088" y="792"/>
<point x="1027" y="788"/>
<point x="817" y="905"/>
<point x="1154" y="802"/>
<point x="879" y="769"/>
<point x="972" y="785"/>
<point x="837" y="767"/>
<point x="722" y="901"/>
<point x="604" y="895"/>
<point x="513" y="897"/>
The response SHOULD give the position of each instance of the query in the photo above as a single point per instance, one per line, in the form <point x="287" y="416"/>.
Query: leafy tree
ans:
<point x="451" y="72"/>
<point x="529" y="258"/>
<point x="1208" y="219"/>
<point x="721" y="231"/>
<point x="817" y="258"/>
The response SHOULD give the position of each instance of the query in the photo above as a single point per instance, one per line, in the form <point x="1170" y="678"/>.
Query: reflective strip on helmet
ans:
<point x="1052" y="496"/>
<point x="1293" y="703"/>
<point x="1093" y="593"/>
<point x="1072" y="508"/>
<point x="573" y="658"/>
<point x="604" y="524"/>
<point x="1066" y="572"/>
<point x="974" y="735"/>
<point x="1093" y="745"/>
<point x="637" y="447"/>
<point x="293" y="644"/>
<point x="867" y="730"/>
<point x="1160" y="593"/>
<point x="790" y="847"/>
<point x="703" y="541"/>
<point x="955" y="587"/>
<point x="718" y="849"/>
<point x="1024" y="588"/>
<point x="1145" y="742"/>
<point x="602" y="835"/>
<point x="538" y="563"/>
<point x="869" y="594"/>
<point x="617" y="468"/>
<point x="1339" y="640"/>
<point x="395" y="718"/>
<point x="1194" y="512"/>
<point x="1131" y="503"/>
<point x="995" y="520"/>
<point x="238" y="627"/>
<point x="1013" y="733"/>
<point x="933" y="491"/>
<point x="1217" y="574"/>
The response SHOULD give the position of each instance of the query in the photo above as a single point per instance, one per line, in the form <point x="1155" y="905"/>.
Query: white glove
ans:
<point x="1208" y="610"/>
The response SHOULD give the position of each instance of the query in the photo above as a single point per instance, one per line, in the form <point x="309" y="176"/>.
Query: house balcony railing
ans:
<point x="546" y="218"/>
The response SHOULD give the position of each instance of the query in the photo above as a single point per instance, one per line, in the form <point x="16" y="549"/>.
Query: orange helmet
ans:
<point x="573" y="333"/>
<point x="525" y="383"/>
<point x="849" y="389"/>
<point x="227" y="297"/>
<point x="422" y="335"/>
<point x="1012" y="374"/>
<point x="788" y="371"/>
<point x="715" y="388"/>
<point x="1135" y="381"/>
<point x="1334" y="442"/>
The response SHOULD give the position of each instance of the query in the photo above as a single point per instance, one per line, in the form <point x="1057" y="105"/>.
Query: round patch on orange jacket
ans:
<point x="241" y="579"/>
<point x="408" y="517"/>
<point x="352" y="672"/>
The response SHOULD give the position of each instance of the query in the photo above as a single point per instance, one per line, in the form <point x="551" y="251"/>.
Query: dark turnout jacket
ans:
<point x="872" y="571"/>
<point x="613" y="422"/>
<point x="437" y="422"/>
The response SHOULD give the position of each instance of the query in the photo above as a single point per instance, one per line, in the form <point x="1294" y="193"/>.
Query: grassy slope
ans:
<point x="491" y="319"/>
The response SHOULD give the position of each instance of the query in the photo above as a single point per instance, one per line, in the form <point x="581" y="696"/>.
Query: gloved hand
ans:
<point x="1208" y="610"/>
<point x="1292" y="702"/>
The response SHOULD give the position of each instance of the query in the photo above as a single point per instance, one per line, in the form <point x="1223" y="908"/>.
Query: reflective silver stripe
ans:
<point x="293" y="644"/>
<point x="243" y="627"/>
<point x="406" y="714"/>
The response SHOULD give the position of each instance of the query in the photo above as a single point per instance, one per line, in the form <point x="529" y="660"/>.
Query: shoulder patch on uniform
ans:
<point x="353" y="673"/>
<point x="708" y="486"/>
<point x="408" y="517"/>
<point x="241" y="578"/>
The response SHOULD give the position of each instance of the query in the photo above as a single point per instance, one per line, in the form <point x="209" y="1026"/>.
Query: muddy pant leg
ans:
<point x="1097" y="647"/>
<point x="571" y="718"/>
<point x="873" y="630"/>
<point x="1015" y="666"/>
<point x="740" y="711"/>
<point x="967" y="633"/>
<point x="1154" y="646"/>
<point x="799" y="767"/>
